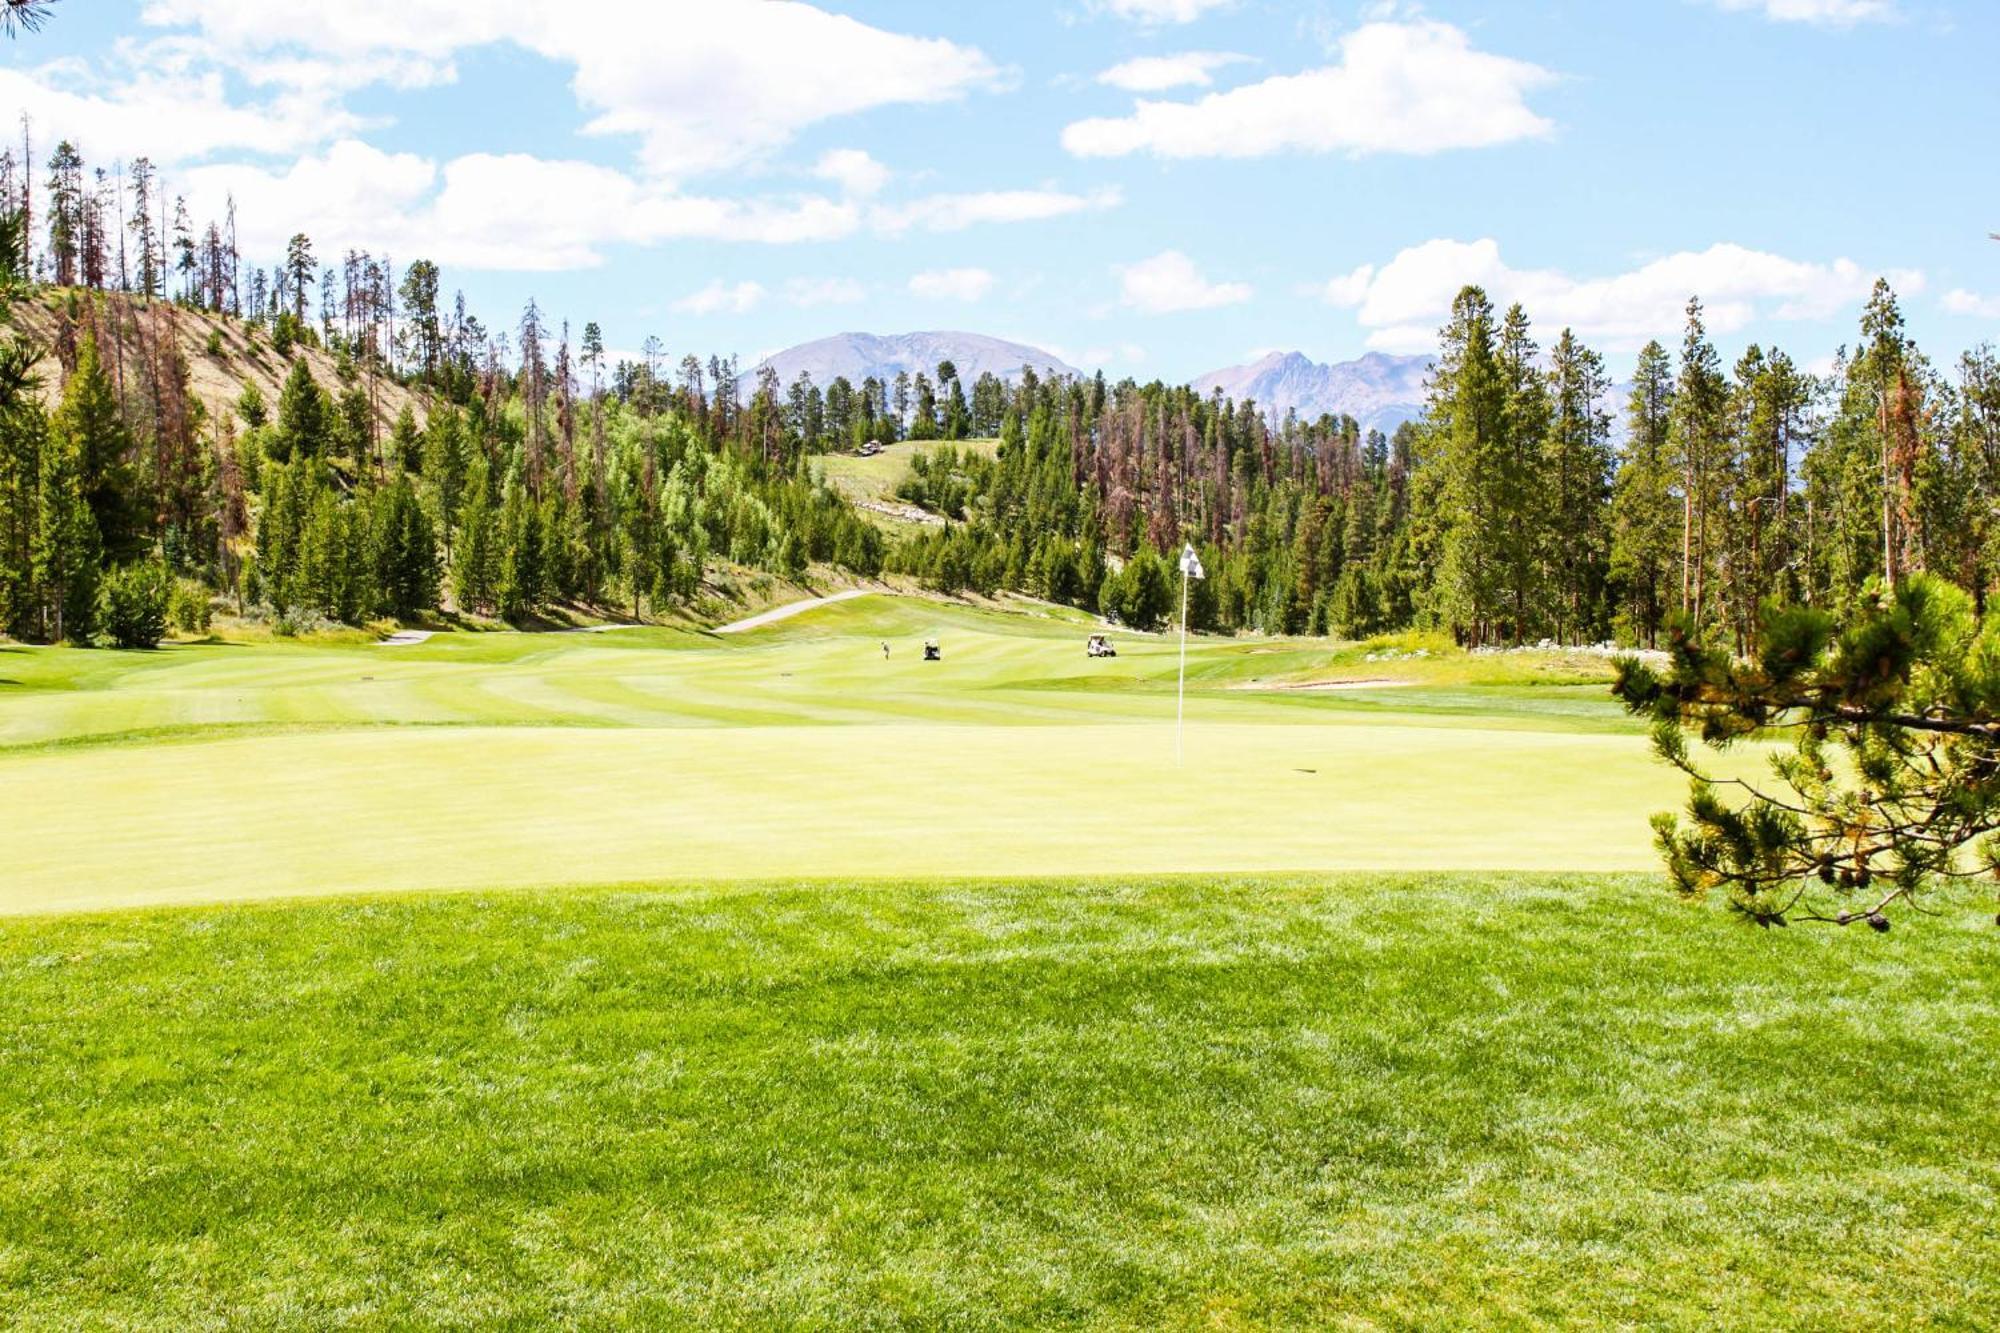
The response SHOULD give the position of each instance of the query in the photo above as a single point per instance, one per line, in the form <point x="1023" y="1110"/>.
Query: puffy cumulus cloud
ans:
<point x="1404" y="301"/>
<point x="492" y="211"/>
<point x="1823" y="13"/>
<point x="168" y="109"/>
<point x="952" y="284"/>
<point x="434" y="28"/>
<point x="1959" y="301"/>
<point x="956" y="212"/>
<point x="707" y="86"/>
<point x="513" y="211"/>
<point x="1162" y="11"/>
<point x="1154" y="74"/>
<point x="720" y="298"/>
<point x="351" y="190"/>
<point x="1170" y="282"/>
<point x="854" y="171"/>
<point x="702" y="87"/>
<point x="1417" y="87"/>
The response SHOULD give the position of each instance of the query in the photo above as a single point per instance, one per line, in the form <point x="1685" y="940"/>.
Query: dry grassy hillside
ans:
<point x="128" y="327"/>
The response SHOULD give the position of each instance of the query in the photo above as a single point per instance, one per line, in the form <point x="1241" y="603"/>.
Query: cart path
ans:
<point x="789" y="610"/>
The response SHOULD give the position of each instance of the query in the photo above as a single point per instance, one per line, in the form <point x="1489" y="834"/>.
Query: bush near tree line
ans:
<point x="136" y="599"/>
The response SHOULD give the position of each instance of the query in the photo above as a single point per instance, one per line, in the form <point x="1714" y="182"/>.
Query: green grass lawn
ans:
<point x="215" y="771"/>
<point x="1203" y="1103"/>
<point x="905" y="1027"/>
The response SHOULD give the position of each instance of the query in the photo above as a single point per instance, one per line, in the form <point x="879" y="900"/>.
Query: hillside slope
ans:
<point x="127" y="329"/>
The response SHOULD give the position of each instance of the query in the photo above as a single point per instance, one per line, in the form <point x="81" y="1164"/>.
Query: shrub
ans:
<point x="134" y="604"/>
<point x="190" y="611"/>
<point x="215" y="342"/>
<point x="252" y="407"/>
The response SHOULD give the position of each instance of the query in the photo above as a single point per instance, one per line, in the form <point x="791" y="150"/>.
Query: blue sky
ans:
<point x="1158" y="186"/>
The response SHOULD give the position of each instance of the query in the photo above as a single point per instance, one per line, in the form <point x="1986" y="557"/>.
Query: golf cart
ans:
<point x="1099" y="646"/>
<point x="933" y="653"/>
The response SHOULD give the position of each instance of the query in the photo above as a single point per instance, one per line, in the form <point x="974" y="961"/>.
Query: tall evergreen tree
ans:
<point x="66" y="550"/>
<point x="299" y="269"/>
<point x="1573" y="476"/>
<point x="1645" y="514"/>
<point x="1698" y="436"/>
<point x="1465" y="419"/>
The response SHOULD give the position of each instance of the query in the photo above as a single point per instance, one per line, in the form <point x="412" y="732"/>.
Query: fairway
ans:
<point x="220" y="771"/>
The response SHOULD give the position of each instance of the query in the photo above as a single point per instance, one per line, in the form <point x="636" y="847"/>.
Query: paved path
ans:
<point x="789" y="610"/>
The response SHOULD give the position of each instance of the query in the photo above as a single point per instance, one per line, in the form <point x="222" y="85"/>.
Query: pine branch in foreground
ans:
<point x="1890" y="789"/>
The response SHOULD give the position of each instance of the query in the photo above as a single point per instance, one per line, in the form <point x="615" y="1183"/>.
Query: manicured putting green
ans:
<point x="220" y="772"/>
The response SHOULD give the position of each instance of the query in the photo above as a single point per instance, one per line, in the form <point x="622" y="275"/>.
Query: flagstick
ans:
<point x="1180" y="698"/>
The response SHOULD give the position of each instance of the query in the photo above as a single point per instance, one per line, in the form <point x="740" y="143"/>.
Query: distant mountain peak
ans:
<point x="859" y="355"/>
<point x="1380" y="390"/>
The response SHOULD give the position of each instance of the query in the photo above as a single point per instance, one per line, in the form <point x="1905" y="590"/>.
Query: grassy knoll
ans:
<point x="1223" y="1103"/>
<point x="871" y="482"/>
<point x="492" y="760"/>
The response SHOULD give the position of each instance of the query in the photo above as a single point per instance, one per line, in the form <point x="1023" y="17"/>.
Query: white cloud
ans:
<point x="1154" y="74"/>
<point x="702" y="87"/>
<point x="1170" y="282"/>
<point x="722" y="298"/>
<point x="489" y="211"/>
<point x="1404" y="301"/>
<point x="1824" y="13"/>
<point x="1350" y="289"/>
<point x="808" y="292"/>
<point x="521" y="213"/>
<point x="165" y="109"/>
<point x="854" y="171"/>
<point x="1414" y="87"/>
<point x="952" y="284"/>
<point x="956" y="212"/>
<point x="1959" y="301"/>
<point x="1163" y="11"/>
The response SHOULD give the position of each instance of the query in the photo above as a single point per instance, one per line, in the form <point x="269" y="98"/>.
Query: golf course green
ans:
<point x="214" y="771"/>
<point x="785" y="983"/>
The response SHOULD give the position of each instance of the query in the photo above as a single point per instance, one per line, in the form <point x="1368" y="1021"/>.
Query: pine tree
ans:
<point x="1644" y="512"/>
<point x="1892" y="788"/>
<point x="66" y="549"/>
<point x="1465" y="422"/>
<point x="1522" y="512"/>
<point x="65" y="202"/>
<point x="145" y="239"/>
<point x="523" y="556"/>
<point x="1574" y="477"/>
<point x="406" y="565"/>
<point x="303" y="427"/>
<point x="299" y="269"/>
<point x="89" y="415"/>
<point x="475" y="552"/>
<point x="23" y="434"/>
<point x="1698" y="435"/>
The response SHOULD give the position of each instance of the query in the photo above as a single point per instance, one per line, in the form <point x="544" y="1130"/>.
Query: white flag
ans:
<point x="1191" y="563"/>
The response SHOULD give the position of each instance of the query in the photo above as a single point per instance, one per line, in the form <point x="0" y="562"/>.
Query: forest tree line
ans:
<point x="524" y="472"/>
